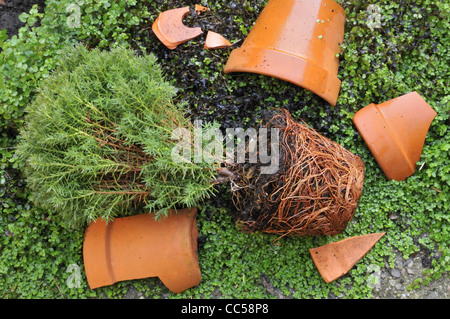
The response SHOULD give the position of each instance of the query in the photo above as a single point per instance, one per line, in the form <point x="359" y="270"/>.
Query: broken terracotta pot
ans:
<point x="171" y="31"/>
<point x="395" y="133"/>
<point x="296" y="41"/>
<point x="139" y="247"/>
<point x="335" y="259"/>
<point x="215" y="41"/>
<point x="200" y="9"/>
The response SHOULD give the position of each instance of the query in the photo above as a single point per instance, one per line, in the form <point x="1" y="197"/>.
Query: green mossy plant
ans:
<point x="98" y="140"/>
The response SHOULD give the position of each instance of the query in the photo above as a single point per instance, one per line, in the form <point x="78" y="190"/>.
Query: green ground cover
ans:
<point x="409" y="52"/>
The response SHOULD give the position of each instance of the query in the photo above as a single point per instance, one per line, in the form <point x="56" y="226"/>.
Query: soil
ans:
<point x="209" y="99"/>
<point x="9" y="14"/>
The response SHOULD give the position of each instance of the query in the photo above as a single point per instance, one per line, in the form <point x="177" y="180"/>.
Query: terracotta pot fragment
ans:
<point x="199" y="9"/>
<point x="335" y="259"/>
<point x="171" y="31"/>
<point x="216" y="41"/>
<point x="395" y="133"/>
<point x="296" y="41"/>
<point x="139" y="247"/>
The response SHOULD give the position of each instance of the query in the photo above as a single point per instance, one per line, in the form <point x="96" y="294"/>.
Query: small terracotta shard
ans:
<point x="395" y="133"/>
<point x="335" y="259"/>
<point x="198" y="8"/>
<point x="171" y="31"/>
<point x="296" y="41"/>
<point x="138" y="246"/>
<point x="216" y="41"/>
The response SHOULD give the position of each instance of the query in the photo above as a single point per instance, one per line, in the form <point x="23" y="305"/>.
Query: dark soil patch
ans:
<point x="10" y="12"/>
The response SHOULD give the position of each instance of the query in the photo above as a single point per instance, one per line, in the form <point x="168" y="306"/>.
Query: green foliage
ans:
<point x="98" y="139"/>
<point x="409" y="52"/>
<point x="28" y="57"/>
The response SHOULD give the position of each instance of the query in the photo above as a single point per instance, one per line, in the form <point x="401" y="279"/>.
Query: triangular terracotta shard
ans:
<point x="215" y="41"/>
<point x="335" y="259"/>
<point x="138" y="246"/>
<point x="171" y="31"/>
<point x="395" y="133"/>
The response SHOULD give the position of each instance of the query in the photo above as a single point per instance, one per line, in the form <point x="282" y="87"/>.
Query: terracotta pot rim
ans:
<point x="295" y="41"/>
<point x="390" y="140"/>
<point x="287" y="67"/>
<point x="136" y="247"/>
<point x="174" y="18"/>
<point x="379" y="130"/>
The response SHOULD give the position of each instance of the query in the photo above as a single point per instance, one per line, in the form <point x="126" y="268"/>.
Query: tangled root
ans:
<point x="315" y="191"/>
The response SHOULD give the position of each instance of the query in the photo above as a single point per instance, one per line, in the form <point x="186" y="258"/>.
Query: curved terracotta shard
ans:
<point x="334" y="260"/>
<point x="171" y="31"/>
<point x="395" y="133"/>
<point x="216" y="41"/>
<point x="296" y="41"/>
<point x="199" y="9"/>
<point x="140" y="247"/>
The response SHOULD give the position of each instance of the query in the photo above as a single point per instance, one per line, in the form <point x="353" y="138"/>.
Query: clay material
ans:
<point x="199" y="9"/>
<point x="171" y="31"/>
<point x="139" y="247"/>
<point x="335" y="259"/>
<point x="296" y="41"/>
<point x="216" y="41"/>
<point x="395" y="133"/>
